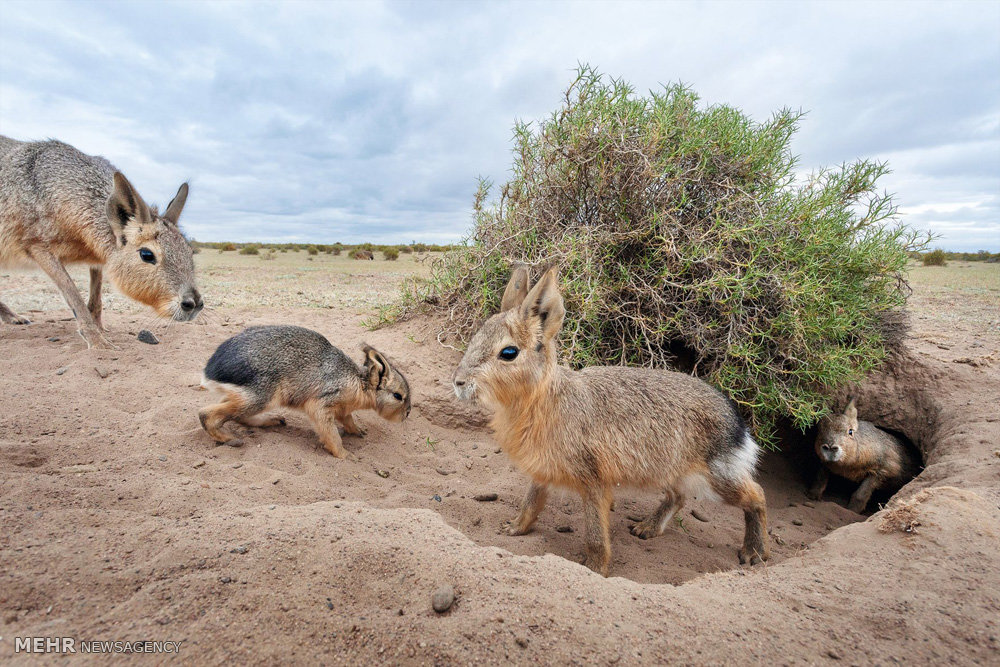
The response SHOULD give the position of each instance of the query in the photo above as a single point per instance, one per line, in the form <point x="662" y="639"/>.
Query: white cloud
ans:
<point x="370" y="121"/>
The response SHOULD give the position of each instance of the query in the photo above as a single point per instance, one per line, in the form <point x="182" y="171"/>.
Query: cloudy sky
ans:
<point x="324" y="121"/>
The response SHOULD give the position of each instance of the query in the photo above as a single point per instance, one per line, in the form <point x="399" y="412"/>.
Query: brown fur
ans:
<point x="860" y="452"/>
<point x="602" y="427"/>
<point x="270" y="367"/>
<point x="59" y="207"/>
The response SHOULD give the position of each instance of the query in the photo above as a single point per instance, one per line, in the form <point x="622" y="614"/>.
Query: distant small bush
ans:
<point x="420" y="247"/>
<point x="312" y="250"/>
<point x="270" y="254"/>
<point x="406" y="249"/>
<point x="250" y="249"/>
<point x="390" y="254"/>
<point x="934" y="258"/>
<point x="227" y="247"/>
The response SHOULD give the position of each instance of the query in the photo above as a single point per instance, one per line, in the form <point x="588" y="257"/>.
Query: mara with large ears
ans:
<point x="596" y="429"/>
<point x="863" y="453"/>
<point x="59" y="206"/>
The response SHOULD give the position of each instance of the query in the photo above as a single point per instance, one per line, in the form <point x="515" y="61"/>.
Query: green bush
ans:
<point x="250" y="249"/>
<point x="312" y="250"/>
<point x="934" y="258"/>
<point x="406" y="249"/>
<point x="390" y="254"/>
<point x="227" y="247"/>
<point x="683" y="240"/>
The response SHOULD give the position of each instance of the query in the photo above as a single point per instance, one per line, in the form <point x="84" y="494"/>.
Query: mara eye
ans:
<point x="508" y="353"/>
<point x="147" y="255"/>
<point x="398" y="396"/>
<point x="850" y="431"/>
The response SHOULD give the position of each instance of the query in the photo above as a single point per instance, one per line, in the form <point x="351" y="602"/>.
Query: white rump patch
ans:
<point x="221" y="387"/>
<point x="739" y="464"/>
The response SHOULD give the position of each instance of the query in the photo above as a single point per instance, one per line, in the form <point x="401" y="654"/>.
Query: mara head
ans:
<point x="152" y="261"/>
<point x="515" y="350"/>
<point x="837" y="436"/>
<point x="392" y="392"/>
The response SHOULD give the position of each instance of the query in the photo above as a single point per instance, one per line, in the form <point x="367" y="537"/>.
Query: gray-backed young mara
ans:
<point x="861" y="452"/>
<point x="601" y="427"/>
<point x="269" y="367"/>
<point x="59" y="206"/>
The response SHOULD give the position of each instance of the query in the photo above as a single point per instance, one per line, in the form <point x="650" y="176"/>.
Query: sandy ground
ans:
<point x="120" y="519"/>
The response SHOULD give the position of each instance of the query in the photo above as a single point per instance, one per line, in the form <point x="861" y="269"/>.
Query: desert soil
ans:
<point x="121" y="520"/>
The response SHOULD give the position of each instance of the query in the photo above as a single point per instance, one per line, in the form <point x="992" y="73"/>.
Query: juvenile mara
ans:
<point x="59" y="206"/>
<point x="861" y="452"/>
<point x="269" y="367"/>
<point x="596" y="429"/>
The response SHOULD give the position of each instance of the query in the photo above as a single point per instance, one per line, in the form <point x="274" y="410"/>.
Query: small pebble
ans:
<point x="521" y="641"/>
<point x="443" y="598"/>
<point x="833" y="654"/>
<point x="485" y="497"/>
<point x="442" y="471"/>
<point x="61" y="370"/>
<point x="698" y="515"/>
<point x="162" y="457"/>
<point x="101" y="371"/>
<point x="436" y="497"/>
<point x="382" y="473"/>
<point x="497" y="450"/>
<point x="146" y="336"/>
<point x="225" y="580"/>
<point x="199" y="464"/>
<point x="796" y="522"/>
<point x="271" y="507"/>
<point x="329" y="604"/>
<point x="53" y="339"/>
<point x="239" y="550"/>
<point x="564" y="529"/>
<point x="809" y="504"/>
<point x="238" y="465"/>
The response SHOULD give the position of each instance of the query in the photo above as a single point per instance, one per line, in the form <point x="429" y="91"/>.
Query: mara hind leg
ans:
<point x="748" y="496"/>
<point x="656" y="522"/>
<point x="236" y="405"/>
<point x="262" y="420"/>
<point x="324" y="421"/>
<point x="531" y="507"/>
<point x="10" y="317"/>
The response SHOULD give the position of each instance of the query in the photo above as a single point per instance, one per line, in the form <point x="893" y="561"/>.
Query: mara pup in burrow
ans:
<point x="602" y="427"/>
<point x="860" y="452"/>
<point x="59" y="206"/>
<point x="267" y="367"/>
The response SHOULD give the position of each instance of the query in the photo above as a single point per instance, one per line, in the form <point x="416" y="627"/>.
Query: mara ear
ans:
<point x="851" y="412"/>
<point x="545" y="303"/>
<point x="173" y="212"/>
<point x="517" y="288"/>
<point x="124" y="205"/>
<point x="377" y="367"/>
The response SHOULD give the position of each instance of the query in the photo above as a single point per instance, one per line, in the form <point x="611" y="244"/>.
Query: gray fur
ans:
<point x="288" y="366"/>
<point x="59" y="206"/>
<point x="861" y="452"/>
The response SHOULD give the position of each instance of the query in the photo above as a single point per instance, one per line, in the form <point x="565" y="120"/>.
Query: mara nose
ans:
<point x="459" y="383"/>
<point x="192" y="301"/>
<point x="833" y="449"/>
